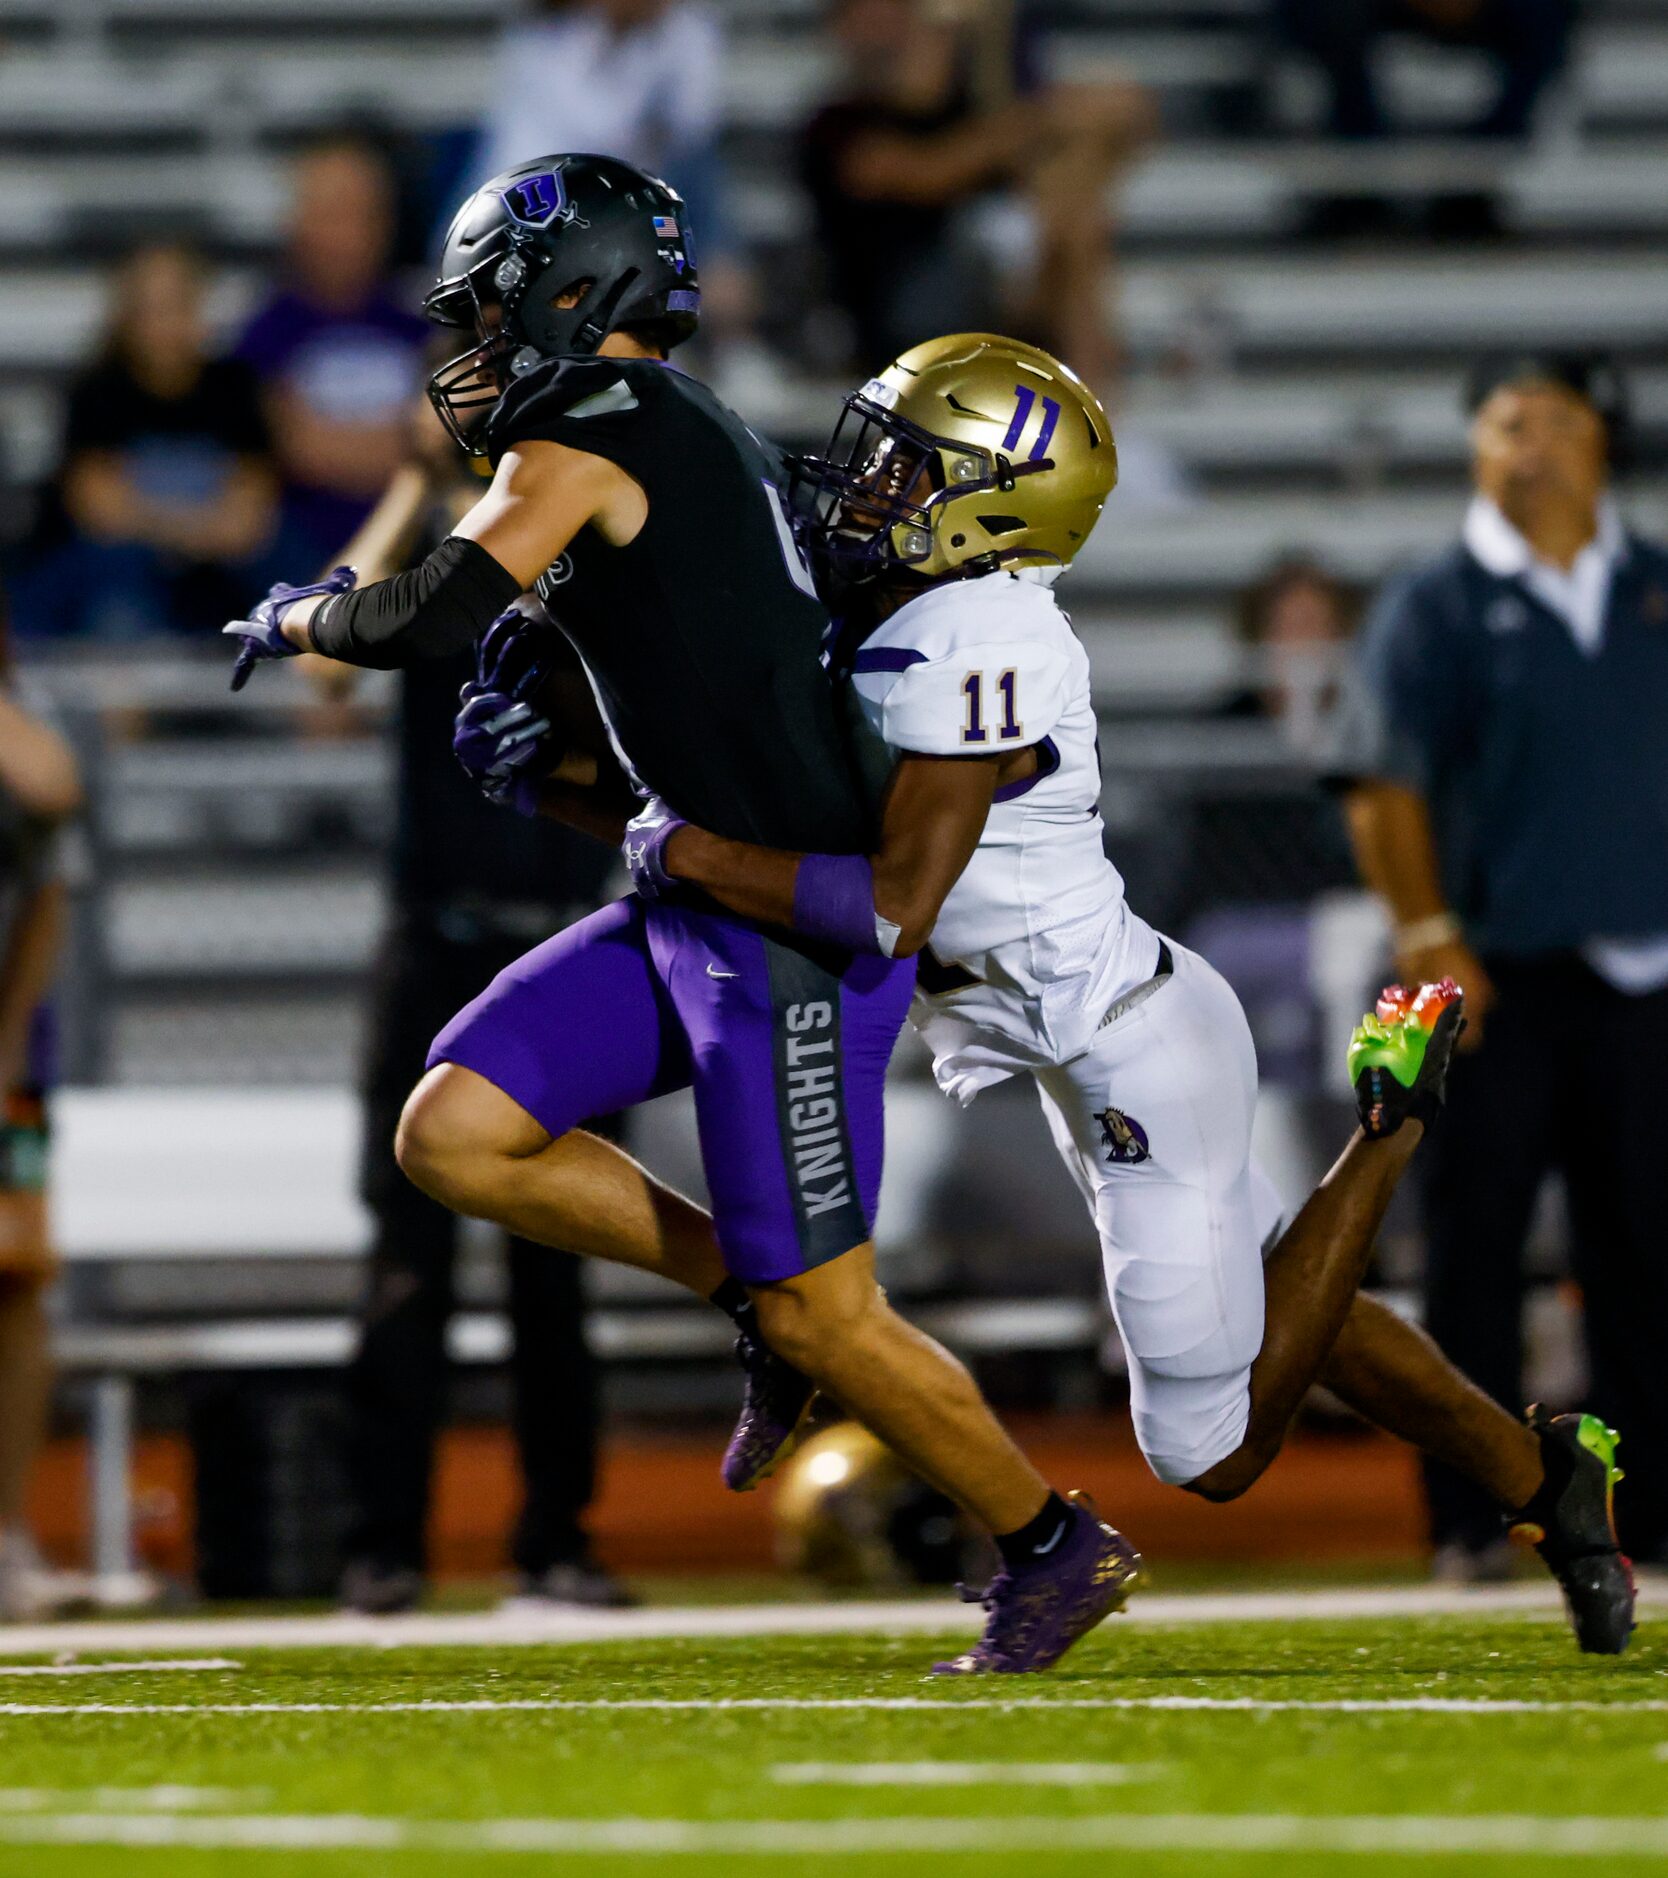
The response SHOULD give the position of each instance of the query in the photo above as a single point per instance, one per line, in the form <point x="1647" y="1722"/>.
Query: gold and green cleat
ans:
<point x="1399" y="1055"/>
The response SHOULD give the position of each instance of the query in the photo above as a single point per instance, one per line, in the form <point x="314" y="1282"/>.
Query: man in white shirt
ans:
<point x="1509" y="755"/>
<point x="642" y="80"/>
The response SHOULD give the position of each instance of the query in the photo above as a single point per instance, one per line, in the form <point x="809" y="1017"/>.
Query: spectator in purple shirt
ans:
<point x="338" y="356"/>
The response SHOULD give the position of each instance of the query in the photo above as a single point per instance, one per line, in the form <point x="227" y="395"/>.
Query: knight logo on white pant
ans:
<point x="1126" y="1140"/>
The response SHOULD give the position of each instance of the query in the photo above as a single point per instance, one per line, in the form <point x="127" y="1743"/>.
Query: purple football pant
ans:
<point x="786" y="1054"/>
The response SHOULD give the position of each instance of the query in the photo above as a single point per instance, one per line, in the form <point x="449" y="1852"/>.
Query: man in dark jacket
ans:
<point x="1512" y="811"/>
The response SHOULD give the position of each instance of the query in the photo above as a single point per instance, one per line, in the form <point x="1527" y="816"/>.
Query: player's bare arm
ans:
<point x="933" y="816"/>
<point x="542" y="495"/>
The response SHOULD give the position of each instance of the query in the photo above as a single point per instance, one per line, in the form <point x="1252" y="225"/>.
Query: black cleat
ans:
<point x="576" y="1584"/>
<point x="375" y="1590"/>
<point x="774" y="1412"/>
<point x="1571" y="1523"/>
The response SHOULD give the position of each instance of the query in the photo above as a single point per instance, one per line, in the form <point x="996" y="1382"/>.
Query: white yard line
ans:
<point x="894" y="1618"/>
<point x="1516" y="1834"/>
<point x="127" y="1668"/>
<point x="771" y="1704"/>
<point x="166" y="1799"/>
<point x="965" y="1773"/>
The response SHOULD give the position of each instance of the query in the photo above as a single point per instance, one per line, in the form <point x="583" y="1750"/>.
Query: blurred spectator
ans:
<point x="337" y="353"/>
<point x="38" y="790"/>
<point x="473" y="886"/>
<point x="1258" y="850"/>
<point x="939" y="109"/>
<point x="1528" y="40"/>
<point x="1511" y="809"/>
<point x="165" y="494"/>
<point x="641" y="80"/>
<point x="1295" y="624"/>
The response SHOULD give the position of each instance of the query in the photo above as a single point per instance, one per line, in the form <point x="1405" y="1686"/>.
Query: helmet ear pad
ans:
<point x="548" y="328"/>
<point x="971" y="520"/>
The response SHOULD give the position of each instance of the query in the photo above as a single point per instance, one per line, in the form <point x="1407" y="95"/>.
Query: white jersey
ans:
<point x="976" y="667"/>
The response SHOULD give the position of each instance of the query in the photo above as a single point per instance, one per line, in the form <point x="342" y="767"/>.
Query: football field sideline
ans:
<point x="1517" y="1835"/>
<point x="653" y="1623"/>
<point x="877" y="1704"/>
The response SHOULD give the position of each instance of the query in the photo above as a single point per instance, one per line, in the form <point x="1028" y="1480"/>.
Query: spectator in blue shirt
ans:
<point x="338" y="354"/>
<point x="1511" y="757"/>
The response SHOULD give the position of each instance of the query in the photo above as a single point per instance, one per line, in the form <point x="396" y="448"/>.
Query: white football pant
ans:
<point x="1154" y="1121"/>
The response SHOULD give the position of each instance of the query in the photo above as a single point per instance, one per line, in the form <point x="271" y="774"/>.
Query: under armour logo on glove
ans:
<point x="647" y="834"/>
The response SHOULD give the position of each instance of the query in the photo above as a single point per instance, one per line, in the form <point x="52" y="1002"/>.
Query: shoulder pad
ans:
<point x="563" y="392"/>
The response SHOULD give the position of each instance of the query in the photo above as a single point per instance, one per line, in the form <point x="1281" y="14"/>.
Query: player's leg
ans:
<point x="1311" y="1279"/>
<point x="1154" y="1123"/>
<point x="479" y="1151"/>
<point x="1156" y="1117"/>
<point x="1552" y="1477"/>
<point x="1312" y="1275"/>
<point x="578" y="1028"/>
<point x="790" y="1061"/>
<point x="1391" y="1372"/>
<point x="835" y="1324"/>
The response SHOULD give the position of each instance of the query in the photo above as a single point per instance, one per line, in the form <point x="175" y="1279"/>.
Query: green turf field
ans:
<point x="824" y="1754"/>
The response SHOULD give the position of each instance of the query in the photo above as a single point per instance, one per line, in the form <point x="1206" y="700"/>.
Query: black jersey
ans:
<point x="703" y="635"/>
<point x="452" y="847"/>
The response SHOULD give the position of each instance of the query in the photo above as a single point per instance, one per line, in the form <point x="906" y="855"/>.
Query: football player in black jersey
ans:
<point x="650" y="521"/>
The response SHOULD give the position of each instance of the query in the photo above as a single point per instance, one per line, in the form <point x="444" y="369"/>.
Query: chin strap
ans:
<point x="600" y="323"/>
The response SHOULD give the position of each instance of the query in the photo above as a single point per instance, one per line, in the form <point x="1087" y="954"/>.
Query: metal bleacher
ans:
<point x="1306" y="394"/>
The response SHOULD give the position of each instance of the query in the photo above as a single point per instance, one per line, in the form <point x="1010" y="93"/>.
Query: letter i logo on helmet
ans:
<point x="537" y="200"/>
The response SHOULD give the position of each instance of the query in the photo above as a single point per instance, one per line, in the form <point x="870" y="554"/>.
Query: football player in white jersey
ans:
<point x="958" y="485"/>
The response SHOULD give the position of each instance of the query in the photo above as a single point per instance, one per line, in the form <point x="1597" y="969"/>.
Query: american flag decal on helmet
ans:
<point x="666" y="228"/>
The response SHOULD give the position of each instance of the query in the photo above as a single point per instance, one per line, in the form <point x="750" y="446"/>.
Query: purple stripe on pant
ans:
<point x="784" y="1047"/>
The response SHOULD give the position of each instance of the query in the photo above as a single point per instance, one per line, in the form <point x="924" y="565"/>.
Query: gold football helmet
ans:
<point x="848" y="1512"/>
<point x="966" y="454"/>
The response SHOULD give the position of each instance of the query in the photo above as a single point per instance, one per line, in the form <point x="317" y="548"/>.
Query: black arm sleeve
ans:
<point x="442" y="606"/>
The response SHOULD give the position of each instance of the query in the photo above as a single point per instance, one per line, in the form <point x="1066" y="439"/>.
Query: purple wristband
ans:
<point x="834" y="898"/>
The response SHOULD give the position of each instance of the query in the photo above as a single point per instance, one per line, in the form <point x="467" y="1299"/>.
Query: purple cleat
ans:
<point x="774" y="1411"/>
<point x="1036" y="1615"/>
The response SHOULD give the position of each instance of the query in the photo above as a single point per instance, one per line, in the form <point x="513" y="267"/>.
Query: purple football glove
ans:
<point x="514" y="655"/>
<point x="499" y="732"/>
<point x="646" y="836"/>
<point x="262" y="633"/>
<point x="498" y="739"/>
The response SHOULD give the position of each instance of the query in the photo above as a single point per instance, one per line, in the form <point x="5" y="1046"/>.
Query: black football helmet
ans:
<point x="535" y="233"/>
